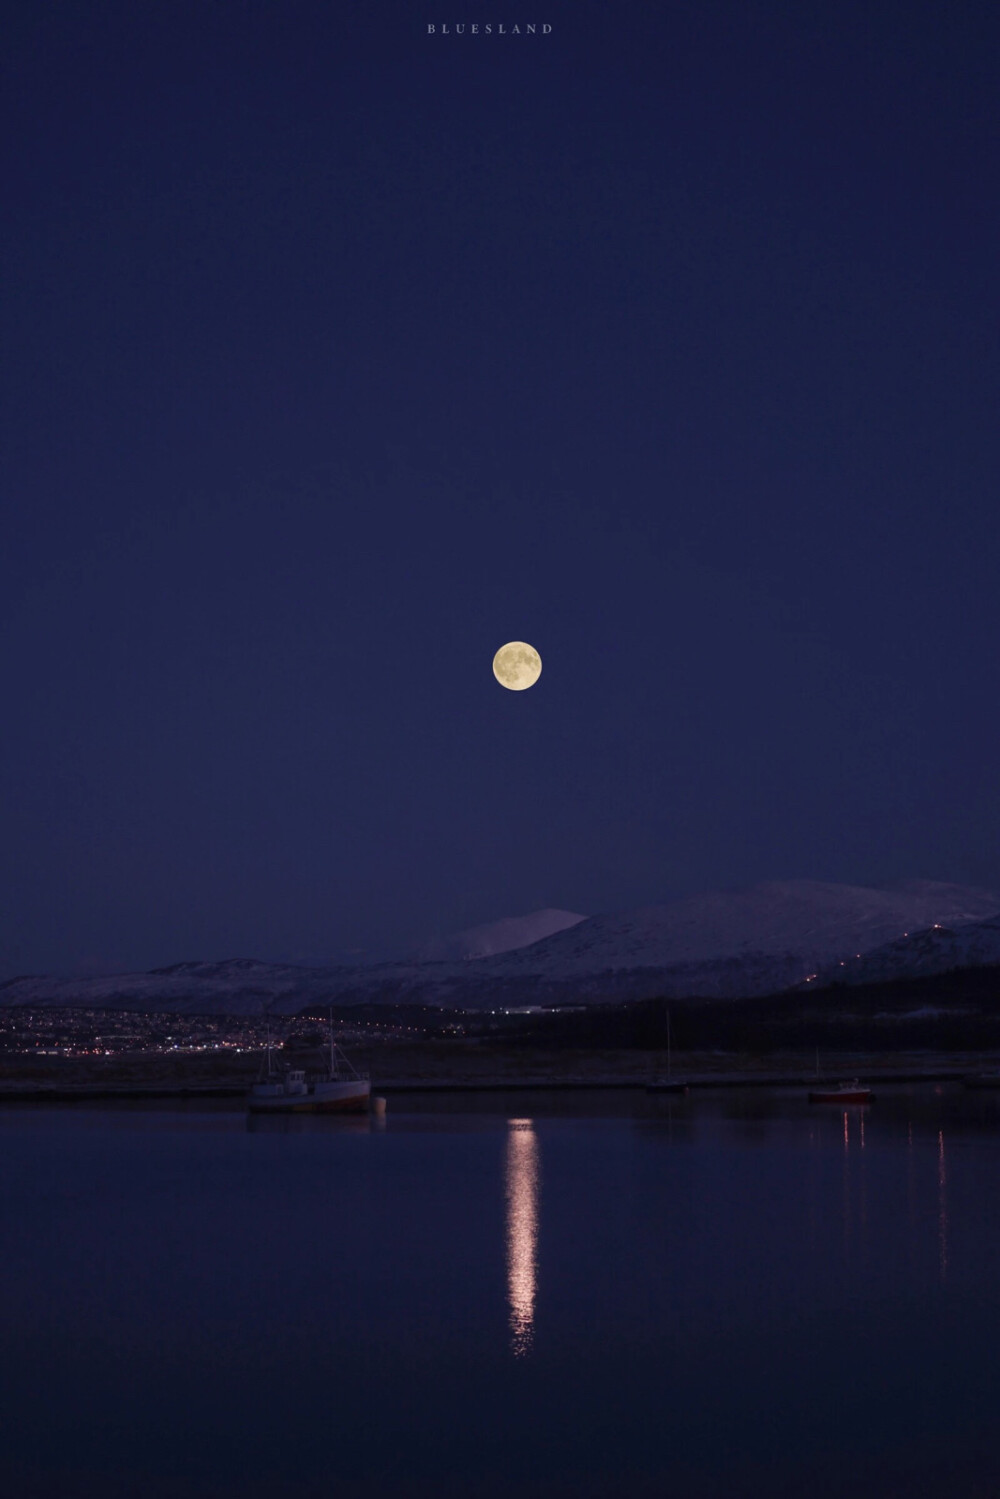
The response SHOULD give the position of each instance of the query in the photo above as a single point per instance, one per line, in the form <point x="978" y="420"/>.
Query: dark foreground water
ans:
<point x="539" y="1295"/>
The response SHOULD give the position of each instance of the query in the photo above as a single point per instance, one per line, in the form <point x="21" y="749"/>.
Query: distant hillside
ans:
<point x="725" y="946"/>
<point x="939" y="948"/>
<point x="954" y="1012"/>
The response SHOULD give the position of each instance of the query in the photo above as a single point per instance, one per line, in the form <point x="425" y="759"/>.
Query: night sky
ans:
<point x="337" y="355"/>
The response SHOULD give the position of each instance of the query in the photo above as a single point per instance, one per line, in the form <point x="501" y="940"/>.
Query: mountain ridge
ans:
<point x="723" y="945"/>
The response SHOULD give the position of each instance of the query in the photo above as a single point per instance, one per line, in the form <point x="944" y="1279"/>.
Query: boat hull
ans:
<point x="335" y="1098"/>
<point x="840" y="1095"/>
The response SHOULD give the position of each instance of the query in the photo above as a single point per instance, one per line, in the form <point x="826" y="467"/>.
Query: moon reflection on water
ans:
<point x="522" y="1171"/>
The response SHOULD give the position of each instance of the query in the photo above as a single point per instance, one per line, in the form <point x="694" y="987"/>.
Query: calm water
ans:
<point x="541" y="1295"/>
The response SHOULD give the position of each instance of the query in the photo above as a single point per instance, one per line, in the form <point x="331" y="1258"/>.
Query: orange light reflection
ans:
<point x="942" y="1209"/>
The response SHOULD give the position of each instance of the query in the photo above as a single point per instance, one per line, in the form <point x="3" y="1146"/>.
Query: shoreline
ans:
<point x="470" y="1067"/>
<point x="678" y="1082"/>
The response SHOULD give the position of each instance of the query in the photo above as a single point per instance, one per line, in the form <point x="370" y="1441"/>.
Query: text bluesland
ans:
<point x="489" y="28"/>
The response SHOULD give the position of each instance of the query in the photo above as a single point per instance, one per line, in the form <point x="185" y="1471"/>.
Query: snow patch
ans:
<point x="506" y="935"/>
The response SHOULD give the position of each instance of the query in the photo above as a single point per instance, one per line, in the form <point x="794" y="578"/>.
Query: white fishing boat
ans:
<point x="342" y="1089"/>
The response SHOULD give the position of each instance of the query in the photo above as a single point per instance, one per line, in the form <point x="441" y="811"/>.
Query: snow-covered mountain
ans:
<point x="771" y="937"/>
<point x="809" y="918"/>
<point x="734" y="944"/>
<point x="497" y="936"/>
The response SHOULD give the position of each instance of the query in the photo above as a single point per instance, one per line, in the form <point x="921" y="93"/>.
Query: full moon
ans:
<point x="517" y="665"/>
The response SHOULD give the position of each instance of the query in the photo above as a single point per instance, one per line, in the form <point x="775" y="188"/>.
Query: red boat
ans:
<point x="852" y="1092"/>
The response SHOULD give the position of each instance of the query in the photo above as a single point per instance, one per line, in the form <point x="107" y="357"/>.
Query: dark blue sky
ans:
<point x="337" y="355"/>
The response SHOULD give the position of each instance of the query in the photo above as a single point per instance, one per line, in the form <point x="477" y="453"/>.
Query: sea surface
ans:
<point x="548" y="1296"/>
